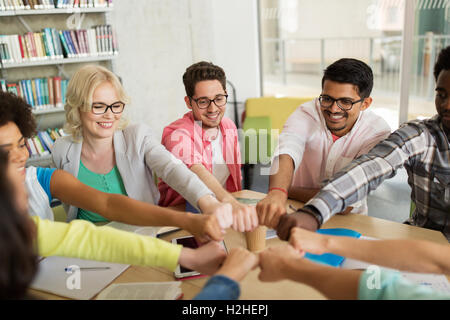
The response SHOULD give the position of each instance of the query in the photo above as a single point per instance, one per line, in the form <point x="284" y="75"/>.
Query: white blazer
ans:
<point x="138" y="154"/>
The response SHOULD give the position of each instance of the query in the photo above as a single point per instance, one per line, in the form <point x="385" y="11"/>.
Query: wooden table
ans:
<point x="251" y="287"/>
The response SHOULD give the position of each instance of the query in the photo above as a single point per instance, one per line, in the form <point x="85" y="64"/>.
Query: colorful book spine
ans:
<point x="42" y="142"/>
<point x="70" y="43"/>
<point x="58" y="93"/>
<point x="31" y="148"/>
<point x="53" y="44"/>
<point x="39" y="146"/>
<point x="37" y="86"/>
<point x="57" y="43"/>
<point x="64" y="44"/>
<point x="39" y="93"/>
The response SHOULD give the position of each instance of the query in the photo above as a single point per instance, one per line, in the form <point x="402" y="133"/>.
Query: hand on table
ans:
<point x="271" y="208"/>
<point x="205" y="259"/>
<point x="273" y="260"/>
<point x="238" y="263"/>
<point x="205" y="227"/>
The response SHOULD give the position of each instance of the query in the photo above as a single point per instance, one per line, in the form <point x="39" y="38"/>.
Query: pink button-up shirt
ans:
<point x="307" y="140"/>
<point x="186" y="140"/>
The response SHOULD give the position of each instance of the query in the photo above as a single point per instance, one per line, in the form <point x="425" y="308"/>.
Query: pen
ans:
<point x="87" y="268"/>
<point x="159" y="235"/>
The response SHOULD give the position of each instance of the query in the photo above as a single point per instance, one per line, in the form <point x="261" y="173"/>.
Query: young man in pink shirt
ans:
<point x="323" y="136"/>
<point x="207" y="142"/>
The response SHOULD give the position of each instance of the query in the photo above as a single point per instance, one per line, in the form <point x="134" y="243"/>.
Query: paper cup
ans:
<point x="256" y="239"/>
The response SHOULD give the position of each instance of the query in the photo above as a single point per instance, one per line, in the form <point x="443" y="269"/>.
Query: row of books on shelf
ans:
<point x="40" y="93"/>
<point x="54" y="44"/>
<point x="6" y="5"/>
<point x="42" y="143"/>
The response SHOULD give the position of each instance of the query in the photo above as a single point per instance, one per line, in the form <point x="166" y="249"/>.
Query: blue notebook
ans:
<point x="330" y="258"/>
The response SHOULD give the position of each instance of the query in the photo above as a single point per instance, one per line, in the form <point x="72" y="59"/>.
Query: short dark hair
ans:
<point x="15" y="109"/>
<point x="443" y="62"/>
<point x="18" y="261"/>
<point x="352" y="71"/>
<point x="202" y="71"/>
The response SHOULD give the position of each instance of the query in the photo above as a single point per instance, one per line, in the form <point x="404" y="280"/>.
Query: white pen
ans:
<point x="87" y="268"/>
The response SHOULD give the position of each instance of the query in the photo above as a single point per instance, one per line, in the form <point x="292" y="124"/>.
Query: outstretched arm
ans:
<point x="284" y="262"/>
<point x="121" y="208"/>
<point x="273" y="206"/>
<point x="408" y="255"/>
<point x="81" y="239"/>
<point x="355" y="181"/>
<point x="364" y="174"/>
<point x="302" y="194"/>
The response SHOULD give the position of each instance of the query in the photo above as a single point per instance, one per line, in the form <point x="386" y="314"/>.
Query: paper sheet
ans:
<point x="142" y="291"/>
<point x="146" y="231"/>
<point x="434" y="281"/>
<point x="82" y="284"/>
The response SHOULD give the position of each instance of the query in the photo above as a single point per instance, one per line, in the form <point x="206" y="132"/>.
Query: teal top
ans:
<point x="108" y="183"/>
<point x="387" y="285"/>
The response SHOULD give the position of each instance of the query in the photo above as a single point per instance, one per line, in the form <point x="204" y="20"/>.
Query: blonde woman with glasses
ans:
<point x="103" y="151"/>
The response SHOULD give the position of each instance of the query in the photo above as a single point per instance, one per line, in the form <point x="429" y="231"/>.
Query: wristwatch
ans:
<point x="312" y="211"/>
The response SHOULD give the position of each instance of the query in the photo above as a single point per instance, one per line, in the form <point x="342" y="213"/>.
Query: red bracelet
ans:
<point x="280" y="189"/>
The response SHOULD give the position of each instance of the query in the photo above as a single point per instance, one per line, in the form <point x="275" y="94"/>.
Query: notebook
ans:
<point x="145" y="231"/>
<point x="142" y="291"/>
<point x="53" y="277"/>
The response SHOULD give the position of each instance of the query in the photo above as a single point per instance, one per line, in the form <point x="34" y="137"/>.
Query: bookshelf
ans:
<point x="14" y="21"/>
<point x="51" y="62"/>
<point x="31" y="12"/>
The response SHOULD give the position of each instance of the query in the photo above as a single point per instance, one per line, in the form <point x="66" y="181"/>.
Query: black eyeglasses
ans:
<point x="203" y="103"/>
<point x="344" y="104"/>
<point x="101" y="108"/>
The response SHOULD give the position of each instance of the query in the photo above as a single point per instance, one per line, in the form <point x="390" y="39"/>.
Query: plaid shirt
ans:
<point x="423" y="148"/>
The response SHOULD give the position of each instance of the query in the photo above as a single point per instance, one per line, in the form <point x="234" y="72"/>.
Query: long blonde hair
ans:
<point x="79" y="96"/>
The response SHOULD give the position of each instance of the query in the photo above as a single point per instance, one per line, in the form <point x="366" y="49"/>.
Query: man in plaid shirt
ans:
<point x="421" y="146"/>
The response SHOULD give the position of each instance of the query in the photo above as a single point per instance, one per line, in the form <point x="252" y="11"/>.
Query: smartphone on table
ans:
<point x="189" y="242"/>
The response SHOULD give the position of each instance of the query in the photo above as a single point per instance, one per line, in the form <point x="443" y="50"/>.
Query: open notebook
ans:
<point x="53" y="277"/>
<point x="142" y="291"/>
<point x="146" y="231"/>
<point x="83" y="284"/>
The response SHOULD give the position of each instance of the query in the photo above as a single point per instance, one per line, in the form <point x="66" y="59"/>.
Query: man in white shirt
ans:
<point x="323" y="136"/>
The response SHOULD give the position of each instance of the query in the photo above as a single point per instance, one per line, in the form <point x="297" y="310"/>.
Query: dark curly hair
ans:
<point x="202" y="71"/>
<point x="15" y="109"/>
<point x="443" y="62"/>
<point x="18" y="261"/>
<point x="352" y="71"/>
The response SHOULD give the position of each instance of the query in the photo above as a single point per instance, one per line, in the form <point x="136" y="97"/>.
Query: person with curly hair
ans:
<point x="24" y="238"/>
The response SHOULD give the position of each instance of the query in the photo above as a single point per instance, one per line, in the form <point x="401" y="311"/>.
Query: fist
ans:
<point x="298" y="219"/>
